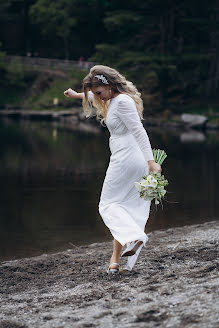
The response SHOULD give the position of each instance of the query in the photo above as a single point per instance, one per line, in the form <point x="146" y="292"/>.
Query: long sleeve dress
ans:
<point x="120" y="206"/>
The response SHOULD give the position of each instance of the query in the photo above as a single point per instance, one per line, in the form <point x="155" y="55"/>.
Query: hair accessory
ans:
<point x="102" y="78"/>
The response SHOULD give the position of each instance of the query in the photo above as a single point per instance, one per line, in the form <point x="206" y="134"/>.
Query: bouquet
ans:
<point x="152" y="185"/>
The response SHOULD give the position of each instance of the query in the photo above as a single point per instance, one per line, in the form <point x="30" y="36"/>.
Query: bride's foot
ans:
<point x="114" y="264"/>
<point x="114" y="261"/>
<point x="113" y="268"/>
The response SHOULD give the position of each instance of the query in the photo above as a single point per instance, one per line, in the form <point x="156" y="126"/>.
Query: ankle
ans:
<point x="114" y="259"/>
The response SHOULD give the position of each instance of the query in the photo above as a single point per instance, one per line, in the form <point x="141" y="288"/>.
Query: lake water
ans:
<point x="51" y="179"/>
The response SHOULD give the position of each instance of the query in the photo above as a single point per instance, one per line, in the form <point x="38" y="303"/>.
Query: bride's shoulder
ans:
<point x="125" y="97"/>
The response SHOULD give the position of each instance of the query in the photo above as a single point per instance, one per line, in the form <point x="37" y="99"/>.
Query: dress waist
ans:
<point x="116" y="136"/>
<point x="121" y="141"/>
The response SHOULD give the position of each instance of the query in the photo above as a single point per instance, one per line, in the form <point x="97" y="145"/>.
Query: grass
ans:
<point x="40" y="87"/>
<point x="41" y="99"/>
<point x="11" y="96"/>
<point x="46" y="84"/>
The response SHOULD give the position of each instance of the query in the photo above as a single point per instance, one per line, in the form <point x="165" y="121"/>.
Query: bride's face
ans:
<point x="102" y="92"/>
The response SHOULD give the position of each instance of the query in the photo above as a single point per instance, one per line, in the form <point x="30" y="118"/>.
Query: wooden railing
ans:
<point x="49" y="62"/>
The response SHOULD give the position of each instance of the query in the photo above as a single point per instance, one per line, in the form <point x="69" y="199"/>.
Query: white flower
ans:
<point x="139" y="186"/>
<point x="150" y="190"/>
<point x="150" y="178"/>
<point x="163" y="193"/>
<point x="152" y="187"/>
<point x="152" y="182"/>
<point x="144" y="183"/>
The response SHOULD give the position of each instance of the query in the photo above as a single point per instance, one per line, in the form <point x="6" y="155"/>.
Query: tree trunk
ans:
<point x="171" y="28"/>
<point x="162" y="35"/>
<point x="66" y="45"/>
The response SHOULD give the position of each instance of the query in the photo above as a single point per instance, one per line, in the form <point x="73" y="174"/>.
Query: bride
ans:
<point x="119" y="105"/>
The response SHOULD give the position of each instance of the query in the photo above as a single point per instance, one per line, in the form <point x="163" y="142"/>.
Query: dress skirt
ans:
<point x="120" y="206"/>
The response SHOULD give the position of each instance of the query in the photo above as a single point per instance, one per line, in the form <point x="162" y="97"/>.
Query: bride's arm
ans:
<point x="73" y="94"/>
<point x="127" y="112"/>
<point x="78" y="95"/>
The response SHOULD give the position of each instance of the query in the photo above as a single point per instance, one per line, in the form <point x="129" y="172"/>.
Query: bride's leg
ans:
<point x="117" y="248"/>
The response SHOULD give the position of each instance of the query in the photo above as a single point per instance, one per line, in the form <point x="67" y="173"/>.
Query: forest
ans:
<point x="169" y="49"/>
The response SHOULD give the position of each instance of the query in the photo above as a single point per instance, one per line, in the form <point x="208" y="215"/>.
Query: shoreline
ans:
<point x="174" y="284"/>
<point x="76" y="116"/>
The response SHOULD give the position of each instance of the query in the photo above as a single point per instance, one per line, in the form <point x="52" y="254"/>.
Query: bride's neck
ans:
<point x="114" y="94"/>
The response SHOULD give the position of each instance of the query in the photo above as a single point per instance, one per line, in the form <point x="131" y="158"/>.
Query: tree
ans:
<point x="55" y="18"/>
<point x="170" y="38"/>
<point x="78" y="23"/>
<point x="16" y="32"/>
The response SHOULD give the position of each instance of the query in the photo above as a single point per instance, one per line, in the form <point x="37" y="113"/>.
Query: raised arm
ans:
<point x="73" y="94"/>
<point x="128" y="114"/>
<point x="78" y="95"/>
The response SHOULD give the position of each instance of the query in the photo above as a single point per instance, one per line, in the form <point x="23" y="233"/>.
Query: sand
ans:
<point x="174" y="284"/>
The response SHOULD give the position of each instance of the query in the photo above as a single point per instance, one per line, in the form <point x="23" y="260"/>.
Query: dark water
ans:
<point x="51" y="179"/>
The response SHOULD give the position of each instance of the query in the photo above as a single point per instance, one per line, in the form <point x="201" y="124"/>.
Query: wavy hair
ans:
<point x="118" y="84"/>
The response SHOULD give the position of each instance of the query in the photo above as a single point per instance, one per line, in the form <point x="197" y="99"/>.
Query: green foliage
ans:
<point x="121" y="19"/>
<point x="167" y="48"/>
<point x="42" y="94"/>
<point x="54" y="17"/>
<point x="106" y="54"/>
<point x="15" y="74"/>
<point x="77" y="23"/>
<point x="2" y="56"/>
<point x="12" y="79"/>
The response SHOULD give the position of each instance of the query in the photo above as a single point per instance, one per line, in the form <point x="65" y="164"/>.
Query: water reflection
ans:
<point x="51" y="180"/>
<point x="192" y="136"/>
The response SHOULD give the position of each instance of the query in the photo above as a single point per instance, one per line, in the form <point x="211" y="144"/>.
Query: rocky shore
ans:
<point x="174" y="284"/>
<point x="73" y="119"/>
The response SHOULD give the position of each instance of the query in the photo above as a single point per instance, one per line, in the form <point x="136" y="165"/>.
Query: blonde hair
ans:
<point x="118" y="84"/>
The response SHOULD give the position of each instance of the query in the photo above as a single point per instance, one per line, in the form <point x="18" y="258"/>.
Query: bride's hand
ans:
<point x="70" y="93"/>
<point x="154" y="167"/>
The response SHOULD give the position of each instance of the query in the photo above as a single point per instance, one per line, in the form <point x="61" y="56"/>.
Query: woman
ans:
<point x="119" y="105"/>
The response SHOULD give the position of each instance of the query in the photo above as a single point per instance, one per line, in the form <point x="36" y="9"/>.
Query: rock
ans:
<point x="192" y="136"/>
<point x="47" y="317"/>
<point x="212" y="126"/>
<point x="151" y="315"/>
<point x="11" y="324"/>
<point x="94" y="245"/>
<point x="102" y="314"/>
<point x="82" y="116"/>
<point x="195" y="121"/>
<point x="88" y="128"/>
<point x="69" y="120"/>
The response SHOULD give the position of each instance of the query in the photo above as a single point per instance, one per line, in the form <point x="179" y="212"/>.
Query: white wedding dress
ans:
<point x="120" y="206"/>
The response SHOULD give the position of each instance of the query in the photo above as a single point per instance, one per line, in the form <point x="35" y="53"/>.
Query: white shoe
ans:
<point x="132" y="248"/>
<point x="113" y="271"/>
